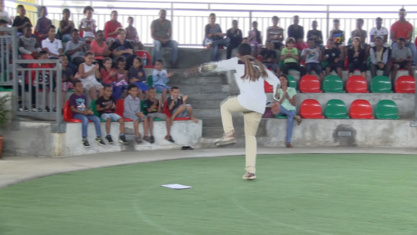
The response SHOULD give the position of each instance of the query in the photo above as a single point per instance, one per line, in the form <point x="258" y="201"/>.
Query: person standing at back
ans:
<point x="403" y="29"/>
<point x="235" y="36"/>
<point x="111" y="28"/>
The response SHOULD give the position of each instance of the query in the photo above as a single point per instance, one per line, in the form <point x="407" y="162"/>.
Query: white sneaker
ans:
<point x="249" y="176"/>
<point x="225" y="140"/>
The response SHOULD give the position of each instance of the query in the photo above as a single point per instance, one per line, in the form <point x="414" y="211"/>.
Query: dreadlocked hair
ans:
<point x="253" y="68"/>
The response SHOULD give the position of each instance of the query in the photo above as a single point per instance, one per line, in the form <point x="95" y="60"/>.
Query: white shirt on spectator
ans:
<point x="53" y="46"/>
<point x="378" y="32"/>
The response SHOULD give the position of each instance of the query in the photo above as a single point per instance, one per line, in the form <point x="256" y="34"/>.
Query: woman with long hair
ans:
<point x="356" y="57"/>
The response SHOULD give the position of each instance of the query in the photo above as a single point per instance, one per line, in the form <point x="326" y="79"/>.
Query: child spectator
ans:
<point x="333" y="57"/>
<point x="379" y="57"/>
<point x="312" y="57"/>
<point x="106" y="106"/>
<point x="88" y="24"/>
<point x="269" y="57"/>
<point x="21" y="21"/>
<point x="28" y="45"/>
<point x="132" y="111"/>
<point x="132" y="34"/>
<point x="316" y="35"/>
<point x="214" y="37"/>
<point x="67" y="76"/>
<point x="255" y="39"/>
<point x="43" y="23"/>
<point x="52" y="45"/>
<point x="160" y="78"/>
<point x="79" y="109"/>
<point x="66" y="26"/>
<point x="137" y="76"/>
<point x="108" y="74"/>
<point x="289" y="55"/>
<point x="99" y="47"/>
<point x="154" y="110"/>
<point x="111" y="27"/>
<point x="356" y="57"/>
<point x="88" y="72"/>
<point x="401" y="59"/>
<point x="275" y="34"/>
<point x="178" y="107"/>
<point x="336" y="34"/>
<point x="75" y="48"/>
<point x="120" y="85"/>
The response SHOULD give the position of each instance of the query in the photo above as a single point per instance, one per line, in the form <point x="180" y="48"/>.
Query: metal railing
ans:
<point x="8" y="52"/>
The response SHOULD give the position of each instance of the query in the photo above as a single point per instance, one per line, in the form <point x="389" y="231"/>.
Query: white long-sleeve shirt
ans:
<point x="252" y="94"/>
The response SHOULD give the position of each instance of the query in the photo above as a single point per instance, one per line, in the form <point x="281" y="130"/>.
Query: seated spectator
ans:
<point x="356" y="57"/>
<point x="359" y="32"/>
<point x="123" y="48"/>
<point x="137" y="76"/>
<point x="316" y="35"/>
<point x="333" y="56"/>
<point x="68" y="78"/>
<point x="289" y="55"/>
<point x="297" y="32"/>
<point x="275" y="34"/>
<point x="337" y="35"/>
<point x="154" y="110"/>
<point x="255" y="39"/>
<point x="66" y="26"/>
<point x="28" y="45"/>
<point x="111" y="28"/>
<point x="80" y="111"/>
<point x="245" y="40"/>
<point x="75" y="48"/>
<point x="287" y="102"/>
<point x="88" y="25"/>
<point x="178" y="107"/>
<point x="120" y="85"/>
<point x="132" y="110"/>
<point x="21" y="21"/>
<point x="269" y="57"/>
<point x="132" y="34"/>
<point x="235" y="36"/>
<point x="52" y="45"/>
<point x="379" y="57"/>
<point x="108" y="73"/>
<point x="160" y="78"/>
<point x="401" y="59"/>
<point x="161" y="33"/>
<point x="88" y="72"/>
<point x="214" y="37"/>
<point x="403" y="29"/>
<point x="312" y="57"/>
<point x="42" y="25"/>
<point x="99" y="47"/>
<point x="379" y="30"/>
<point x="106" y="106"/>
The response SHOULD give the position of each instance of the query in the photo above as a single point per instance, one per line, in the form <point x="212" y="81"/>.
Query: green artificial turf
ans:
<point x="294" y="194"/>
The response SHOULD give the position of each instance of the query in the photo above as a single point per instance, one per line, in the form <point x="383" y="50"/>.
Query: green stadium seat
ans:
<point x="149" y="81"/>
<point x="333" y="84"/>
<point x="280" y="116"/>
<point x="386" y="109"/>
<point x="93" y="108"/>
<point x="381" y="84"/>
<point x="335" y="109"/>
<point x="292" y="82"/>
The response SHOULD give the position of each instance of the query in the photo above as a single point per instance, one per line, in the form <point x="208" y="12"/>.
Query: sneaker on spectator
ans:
<point x="85" y="143"/>
<point x="109" y="139"/>
<point x="122" y="139"/>
<point x="152" y="139"/>
<point x="100" y="141"/>
<point x="138" y="139"/>
<point x="147" y="139"/>
<point x="249" y="176"/>
<point x="225" y="140"/>
<point x="169" y="138"/>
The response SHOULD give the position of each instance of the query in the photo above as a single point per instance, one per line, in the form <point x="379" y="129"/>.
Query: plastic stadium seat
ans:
<point x="386" y="109"/>
<point x="268" y="88"/>
<point x="141" y="54"/>
<point x="357" y="84"/>
<point x="405" y="84"/>
<point x="149" y="81"/>
<point x="333" y="84"/>
<point x="311" y="108"/>
<point x="292" y="82"/>
<point x="310" y="84"/>
<point x="120" y="107"/>
<point x="68" y="113"/>
<point x="381" y="84"/>
<point x="166" y="111"/>
<point x="361" y="109"/>
<point x="336" y="109"/>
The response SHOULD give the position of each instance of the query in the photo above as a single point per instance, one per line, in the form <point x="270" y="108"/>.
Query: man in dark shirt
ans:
<point x="235" y="35"/>
<point x="269" y="57"/>
<point x="297" y="32"/>
<point x="21" y="21"/>
<point x="316" y="34"/>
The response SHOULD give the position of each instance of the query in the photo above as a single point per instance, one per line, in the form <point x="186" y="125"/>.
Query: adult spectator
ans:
<point x="297" y="32"/>
<point x="255" y="39"/>
<point x="99" y="47"/>
<point x="21" y="21"/>
<point x="161" y="31"/>
<point x="379" y="30"/>
<point x="356" y="57"/>
<point x="275" y="34"/>
<point x="66" y="26"/>
<point x="214" y="37"/>
<point x="28" y="45"/>
<point x="336" y="34"/>
<point x="111" y="28"/>
<point x="132" y="34"/>
<point x="403" y="29"/>
<point x="52" y="45"/>
<point x="401" y="58"/>
<point x="75" y="48"/>
<point x="235" y="36"/>
<point x="379" y="57"/>
<point x="121" y="47"/>
<point x="316" y="35"/>
<point x="359" y="32"/>
<point x="43" y="23"/>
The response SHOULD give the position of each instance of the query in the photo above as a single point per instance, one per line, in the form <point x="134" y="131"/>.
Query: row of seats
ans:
<point x="359" y="109"/>
<point x="355" y="84"/>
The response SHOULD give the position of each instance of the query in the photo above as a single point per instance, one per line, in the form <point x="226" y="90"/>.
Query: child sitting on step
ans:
<point x="160" y="78"/>
<point x="132" y="111"/>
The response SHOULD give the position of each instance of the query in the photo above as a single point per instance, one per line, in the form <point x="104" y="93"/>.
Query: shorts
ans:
<point x="134" y="117"/>
<point x="157" y="115"/>
<point x="113" y="116"/>
<point x="142" y="86"/>
<point x="334" y="66"/>
<point x="316" y="67"/>
<point x="183" y="113"/>
<point x="278" y="45"/>
<point x="401" y="65"/>
<point x="67" y="85"/>
<point x="88" y="85"/>
<point x="256" y="46"/>
<point x="356" y="65"/>
<point x="161" y="87"/>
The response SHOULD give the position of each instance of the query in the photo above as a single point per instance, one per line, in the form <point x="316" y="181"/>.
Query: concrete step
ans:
<point x="208" y="104"/>
<point x="206" y="113"/>
<point x="212" y="131"/>
<point x="197" y="80"/>
<point x="197" y="90"/>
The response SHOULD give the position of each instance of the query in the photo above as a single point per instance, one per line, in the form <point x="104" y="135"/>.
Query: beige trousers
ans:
<point x="251" y="121"/>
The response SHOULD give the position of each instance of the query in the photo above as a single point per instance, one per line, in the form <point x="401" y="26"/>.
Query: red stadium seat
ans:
<point x="361" y="109"/>
<point x="68" y="114"/>
<point x="148" y="57"/>
<point x="311" y="108"/>
<point x="357" y="84"/>
<point x="268" y="88"/>
<point x="310" y="84"/>
<point x="166" y="111"/>
<point x="405" y="84"/>
<point x="120" y="107"/>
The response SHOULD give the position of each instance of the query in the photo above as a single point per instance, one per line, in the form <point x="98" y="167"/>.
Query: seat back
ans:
<point x="268" y="88"/>
<point x="361" y="109"/>
<point x="333" y="84"/>
<point x="93" y="107"/>
<point x="292" y="82"/>
<point x="335" y="109"/>
<point x="357" y="84"/>
<point x="405" y="84"/>
<point x="68" y="113"/>
<point x="166" y="110"/>
<point x="120" y="107"/>
<point x="149" y="81"/>
<point x="381" y="84"/>
<point x="311" y="108"/>
<point x="386" y="109"/>
<point x="310" y="84"/>
<point x="142" y="55"/>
